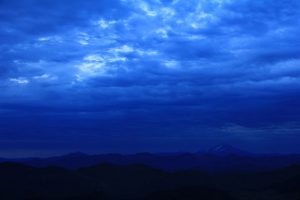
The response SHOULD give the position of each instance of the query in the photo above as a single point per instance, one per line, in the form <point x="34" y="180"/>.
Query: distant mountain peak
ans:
<point x="222" y="147"/>
<point x="75" y="154"/>
<point x="225" y="149"/>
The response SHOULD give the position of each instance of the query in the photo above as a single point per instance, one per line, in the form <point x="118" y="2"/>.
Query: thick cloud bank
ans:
<point x="137" y="75"/>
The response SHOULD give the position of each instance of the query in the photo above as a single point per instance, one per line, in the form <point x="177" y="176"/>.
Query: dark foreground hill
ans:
<point x="115" y="182"/>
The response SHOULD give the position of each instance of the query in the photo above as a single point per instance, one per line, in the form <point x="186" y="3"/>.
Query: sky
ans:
<point x="131" y="76"/>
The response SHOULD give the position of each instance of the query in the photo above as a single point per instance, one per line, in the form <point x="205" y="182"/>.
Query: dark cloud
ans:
<point x="111" y="71"/>
<point x="24" y="19"/>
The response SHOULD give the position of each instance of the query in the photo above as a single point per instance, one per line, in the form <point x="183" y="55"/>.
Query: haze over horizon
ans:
<point x="218" y="150"/>
<point x="148" y="76"/>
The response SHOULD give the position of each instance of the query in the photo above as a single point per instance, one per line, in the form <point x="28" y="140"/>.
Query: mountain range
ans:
<point x="217" y="159"/>
<point x="140" y="182"/>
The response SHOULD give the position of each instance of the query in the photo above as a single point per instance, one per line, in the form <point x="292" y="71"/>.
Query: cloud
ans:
<point x="20" y="81"/>
<point x="163" y="62"/>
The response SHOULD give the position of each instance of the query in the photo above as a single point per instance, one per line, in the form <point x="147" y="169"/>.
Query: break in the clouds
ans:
<point x="131" y="75"/>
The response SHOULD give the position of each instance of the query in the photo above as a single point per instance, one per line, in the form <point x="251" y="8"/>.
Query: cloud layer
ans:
<point x="149" y="73"/>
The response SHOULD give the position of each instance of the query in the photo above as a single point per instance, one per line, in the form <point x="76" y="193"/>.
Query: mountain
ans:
<point x="225" y="150"/>
<point x="190" y="193"/>
<point x="217" y="159"/>
<point x="291" y="184"/>
<point x="140" y="182"/>
<point x="21" y="182"/>
<point x="75" y="155"/>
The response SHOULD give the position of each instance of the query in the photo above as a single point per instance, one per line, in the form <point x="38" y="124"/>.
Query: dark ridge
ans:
<point x="192" y="193"/>
<point x="140" y="182"/>
<point x="218" y="159"/>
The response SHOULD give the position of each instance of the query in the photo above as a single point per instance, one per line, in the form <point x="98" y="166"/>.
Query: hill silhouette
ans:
<point x="217" y="159"/>
<point x="140" y="182"/>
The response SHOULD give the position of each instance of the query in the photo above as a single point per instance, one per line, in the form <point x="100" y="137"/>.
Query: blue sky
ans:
<point x="156" y="75"/>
